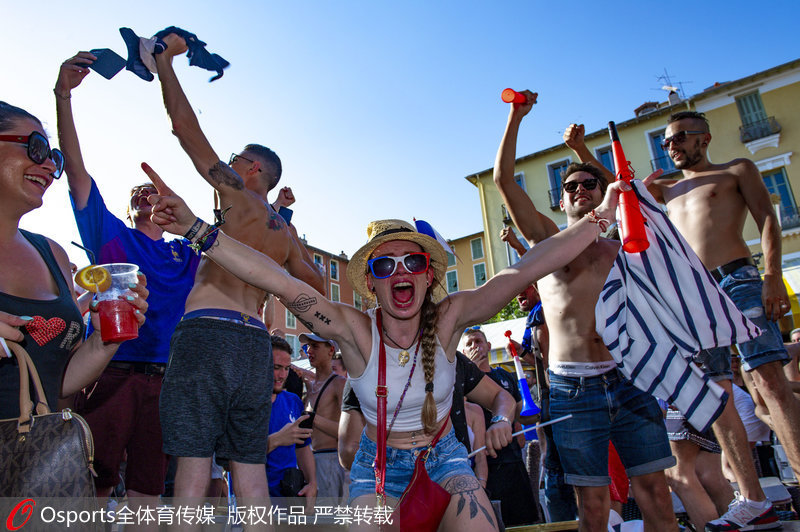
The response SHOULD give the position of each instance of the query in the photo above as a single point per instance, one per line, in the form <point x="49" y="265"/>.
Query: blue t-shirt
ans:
<point x="169" y="267"/>
<point x="286" y="408"/>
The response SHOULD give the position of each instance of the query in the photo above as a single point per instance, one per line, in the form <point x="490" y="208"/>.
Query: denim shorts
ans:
<point x="606" y="407"/>
<point x="448" y="459"/>
<point x="716" y="363"/>
<point x="744" y="287"/>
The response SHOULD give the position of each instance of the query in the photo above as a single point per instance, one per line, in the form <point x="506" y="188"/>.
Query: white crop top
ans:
<point x="409" y="418"/>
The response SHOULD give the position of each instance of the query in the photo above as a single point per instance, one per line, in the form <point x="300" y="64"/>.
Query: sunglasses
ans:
<point x="383" y="267"/>
<point x="678" y="138"/>
<point x="588" y="184"/>
<point x="235" y="156"/>
<point x="39" y="150"/>
<point x="473" y="328"/>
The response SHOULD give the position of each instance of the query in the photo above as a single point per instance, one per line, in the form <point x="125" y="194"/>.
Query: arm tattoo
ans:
<point x="308" y="324"/>
<point x="464" y="487"/>
<point x="302" y="303"/>
<point x="222" y="174"/>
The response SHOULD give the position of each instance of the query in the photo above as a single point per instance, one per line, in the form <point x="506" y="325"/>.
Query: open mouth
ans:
<point x="403" y="293"/>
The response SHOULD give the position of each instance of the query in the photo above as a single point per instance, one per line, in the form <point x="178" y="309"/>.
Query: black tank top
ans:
<point x="56" y="328"/>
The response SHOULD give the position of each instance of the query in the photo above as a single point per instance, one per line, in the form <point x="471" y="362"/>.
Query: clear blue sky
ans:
<point x="377" y="109"/>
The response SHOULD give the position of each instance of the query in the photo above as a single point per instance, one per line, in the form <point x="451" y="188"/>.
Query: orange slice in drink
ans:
<point x="93" y="278"/>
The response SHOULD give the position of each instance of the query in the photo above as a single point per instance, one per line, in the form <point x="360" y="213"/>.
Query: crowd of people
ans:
<point x="208" y="383"/>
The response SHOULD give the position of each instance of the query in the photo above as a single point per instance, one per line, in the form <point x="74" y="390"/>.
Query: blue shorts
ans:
<point x="744" y="287"/>
<point x="606" y="407"/>
<point x="716" y="363"/>
<point x="448" y="459"/>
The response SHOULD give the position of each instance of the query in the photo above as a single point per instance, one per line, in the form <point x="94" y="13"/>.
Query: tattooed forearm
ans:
<point x="323" y="318"/>
<point x="222" y="174"/>
<point x="463" y="489"/>
<point x="301" y="303"/>
<point x="308" y="324"/>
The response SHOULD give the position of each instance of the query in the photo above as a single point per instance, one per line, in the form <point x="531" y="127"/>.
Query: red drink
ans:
<point x="117" y="320"/>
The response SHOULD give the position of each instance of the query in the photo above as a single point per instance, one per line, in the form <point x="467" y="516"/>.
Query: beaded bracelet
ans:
<point x="207" y="239"/>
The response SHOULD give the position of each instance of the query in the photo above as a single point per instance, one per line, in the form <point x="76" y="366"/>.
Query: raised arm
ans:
<point x="326" y="318"/>
<point x="186" y="127"/>
<point x="533" y="225"/>
<point x="301" y="265"/>
<point x="751" y="184"/>
<point x="574" y="139"/>
<point x="476" y="306"/>
<point x="70" y="76"/>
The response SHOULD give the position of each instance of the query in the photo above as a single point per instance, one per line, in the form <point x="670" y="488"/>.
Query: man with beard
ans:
<point x="584" y="380"/>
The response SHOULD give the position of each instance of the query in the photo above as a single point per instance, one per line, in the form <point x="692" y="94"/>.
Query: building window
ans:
<point x="477" y="248"/>
<point x="755" y="122"/>
<point x="519" y="178"/>
<point x="291" y="321"/>
<point x="778" y="184"/>
<point x="357" y="301"/>
<point x="294" y="343"/>
<point x="334" y="292"/>
<point x="554" y="172"/>
<point x="452" y="281"/>
<point x="451" y="260"/>
<point x="319" y="262"/>
<point x="334" y="270"/>
<point x="606" y="157"/>
<point x="480" y="274"/>
<point x="661" y="159"/>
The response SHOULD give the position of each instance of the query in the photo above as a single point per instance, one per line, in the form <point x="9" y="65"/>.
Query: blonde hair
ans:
<point x="429" y="317"/>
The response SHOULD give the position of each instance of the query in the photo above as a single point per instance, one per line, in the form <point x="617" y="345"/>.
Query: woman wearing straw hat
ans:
<point x="400" y="269"/>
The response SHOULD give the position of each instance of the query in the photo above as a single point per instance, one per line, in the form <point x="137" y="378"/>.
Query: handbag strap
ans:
<point x="381" y="392"/>
<point x="27" y="373"/>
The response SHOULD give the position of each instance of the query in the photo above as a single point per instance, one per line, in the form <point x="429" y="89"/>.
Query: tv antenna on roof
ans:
<point x="669" y="86"/>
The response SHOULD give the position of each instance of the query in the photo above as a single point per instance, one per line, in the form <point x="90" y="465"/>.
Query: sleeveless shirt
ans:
<point x="409" y="418"/>
<point x="56" y="328"/>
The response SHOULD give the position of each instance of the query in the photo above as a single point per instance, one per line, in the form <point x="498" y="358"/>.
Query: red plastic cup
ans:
<point x="117" y="316"/>
<point x="512" y="96"/>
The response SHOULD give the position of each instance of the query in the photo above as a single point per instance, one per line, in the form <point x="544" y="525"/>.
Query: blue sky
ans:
<point x="377" y="109"/>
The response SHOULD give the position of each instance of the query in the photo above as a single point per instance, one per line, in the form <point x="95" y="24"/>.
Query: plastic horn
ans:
<point x="631" y="222"/>
<point x="529" y="407"/>
<point x="512" y="96"/>
<point x="526" y="429"/>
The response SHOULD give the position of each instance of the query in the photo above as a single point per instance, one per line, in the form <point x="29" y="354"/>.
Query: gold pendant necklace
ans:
<point x="403" y="356"/>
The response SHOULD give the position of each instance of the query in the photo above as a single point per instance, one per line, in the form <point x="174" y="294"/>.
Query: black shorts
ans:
<point x="217" y="391"/>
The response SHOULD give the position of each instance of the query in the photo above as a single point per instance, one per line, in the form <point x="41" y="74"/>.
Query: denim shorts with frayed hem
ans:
<point x="448" y="459"/>
<point x="606" y="407"/>
<point x="744" y="287"/>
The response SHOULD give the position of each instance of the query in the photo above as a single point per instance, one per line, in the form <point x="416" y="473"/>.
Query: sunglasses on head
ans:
<point x="588" y="184"/>
<point x="678" y="138"/>
<point x="473" y="328"/>
<point x="39" y="150"/>
<point x="383" y="267"/>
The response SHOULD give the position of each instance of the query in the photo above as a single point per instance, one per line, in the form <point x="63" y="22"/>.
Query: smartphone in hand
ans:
<point x="307" y="423"/>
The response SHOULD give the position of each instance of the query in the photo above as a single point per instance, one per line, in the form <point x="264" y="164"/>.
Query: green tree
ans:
<point x="509" y="312"/>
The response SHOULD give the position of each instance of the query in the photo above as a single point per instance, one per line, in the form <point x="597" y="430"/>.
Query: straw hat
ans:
<point x="381" y="231"/>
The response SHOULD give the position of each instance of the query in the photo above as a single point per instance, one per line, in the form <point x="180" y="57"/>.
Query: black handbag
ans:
<point x="46" y="454"/>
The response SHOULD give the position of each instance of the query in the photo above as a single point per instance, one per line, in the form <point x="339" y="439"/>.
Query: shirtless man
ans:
<point x="324" y="397"/>
<point x="217" y="390"/>
<point x="709" y="207"/>
<point x="583" y="374"/>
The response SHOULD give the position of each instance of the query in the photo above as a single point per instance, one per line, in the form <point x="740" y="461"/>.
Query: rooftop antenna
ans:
<point x="668" y="85"/>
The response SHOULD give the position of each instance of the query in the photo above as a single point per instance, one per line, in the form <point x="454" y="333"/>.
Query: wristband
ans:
<point x="194" y="229"/>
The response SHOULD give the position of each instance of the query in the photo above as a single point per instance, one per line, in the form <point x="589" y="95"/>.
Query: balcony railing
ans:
<point x="790" y="217"/>
<point x="759" y="130"/>
<point x="663" y="163"/>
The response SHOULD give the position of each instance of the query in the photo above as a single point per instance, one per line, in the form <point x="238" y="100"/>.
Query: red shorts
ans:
<point x="122" y="411"/>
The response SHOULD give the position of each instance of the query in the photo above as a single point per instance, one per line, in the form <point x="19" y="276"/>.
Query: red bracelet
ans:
<point x="601" y="222"/>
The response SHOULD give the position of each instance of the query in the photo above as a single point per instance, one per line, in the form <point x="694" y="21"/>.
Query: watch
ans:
<point x="497" y="419"/>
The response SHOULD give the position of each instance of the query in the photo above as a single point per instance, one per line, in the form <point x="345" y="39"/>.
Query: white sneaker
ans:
<point x="742" y="515"/>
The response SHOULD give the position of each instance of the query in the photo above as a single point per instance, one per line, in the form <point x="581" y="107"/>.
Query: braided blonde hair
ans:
<point x="429" y="318"/>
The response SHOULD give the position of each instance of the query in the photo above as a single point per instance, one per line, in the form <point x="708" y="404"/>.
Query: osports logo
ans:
<point x="25" y="507"/>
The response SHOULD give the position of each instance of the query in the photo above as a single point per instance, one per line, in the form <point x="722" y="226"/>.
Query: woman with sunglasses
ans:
<point x="38" y="309"/>
<point x="402" y="271"/>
